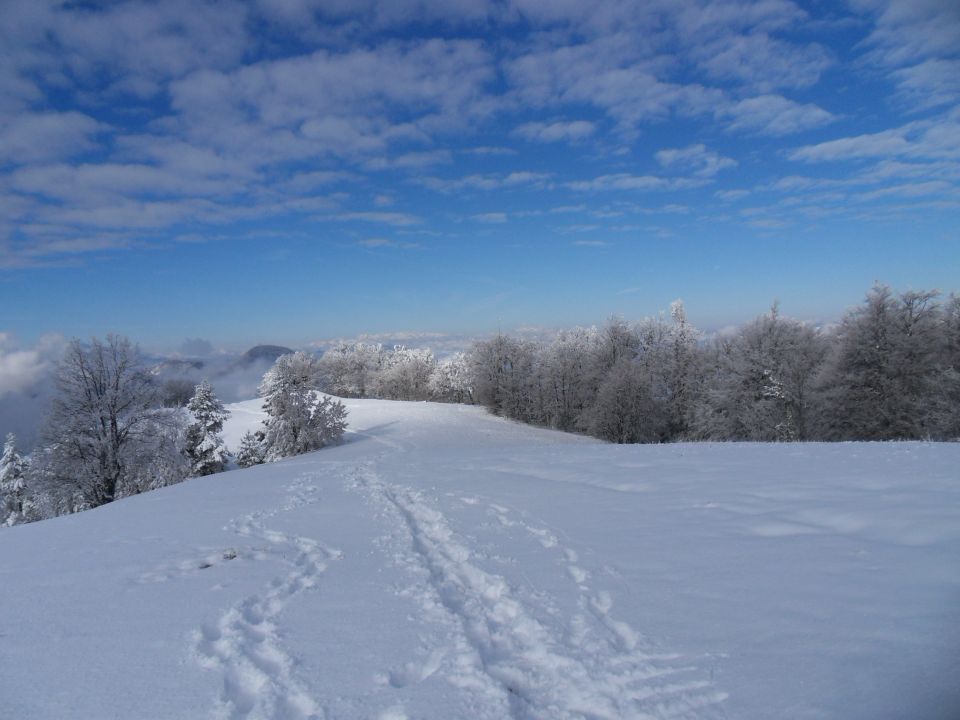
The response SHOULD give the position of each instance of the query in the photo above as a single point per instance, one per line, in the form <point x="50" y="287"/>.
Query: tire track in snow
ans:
<point x="259" y="676"/>
<point x="541" y="675"/>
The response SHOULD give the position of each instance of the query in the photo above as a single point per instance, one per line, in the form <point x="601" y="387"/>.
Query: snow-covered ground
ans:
<point x="446" y="564"/>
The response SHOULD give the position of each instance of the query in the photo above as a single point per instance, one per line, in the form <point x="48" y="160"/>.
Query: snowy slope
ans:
<point x="447" y="564"/>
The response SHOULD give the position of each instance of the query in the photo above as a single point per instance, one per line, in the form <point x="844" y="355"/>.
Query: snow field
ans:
<point x="446" y="564"/>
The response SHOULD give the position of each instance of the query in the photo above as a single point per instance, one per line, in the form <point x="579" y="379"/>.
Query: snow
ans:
<point x="443" y="563"/>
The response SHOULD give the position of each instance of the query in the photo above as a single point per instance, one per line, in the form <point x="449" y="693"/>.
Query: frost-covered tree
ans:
<point x="563" y="365"/>
<point x="12" y="483"/>
<point x="157" y="457"/>
<point x="503" y="377"/>
<point x="298" y="419"/>
<point x="761" y="383"/>
<point x="104" y="405"/>
<point x="626" y="409"/>
<point x="680" y="370"/>
<point x="204" y="444"/>
<point x="252" y="449"/>
<point x="450" y="380"/>
<point x="350" y="370"/>
<point x="949" y="404"/>
<point x="884" y="380"/>
<point x="404" y="374"/>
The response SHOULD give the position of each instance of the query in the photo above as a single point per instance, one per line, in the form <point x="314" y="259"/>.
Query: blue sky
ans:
<point x="290" y="170"/>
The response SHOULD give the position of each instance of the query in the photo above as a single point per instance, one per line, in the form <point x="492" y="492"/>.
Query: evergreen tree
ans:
<point x="299" y="420"/>
<point x="12" y="484"/>
<point x="205" y="446"/>
<point x="252" y="450"/>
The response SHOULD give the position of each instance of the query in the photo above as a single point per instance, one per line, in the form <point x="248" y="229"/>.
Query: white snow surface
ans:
<point x="446" y="564"/>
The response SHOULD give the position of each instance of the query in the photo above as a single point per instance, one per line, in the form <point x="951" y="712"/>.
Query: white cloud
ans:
<point x="731" y="195"/>
<point x="906" y="31"/>
<point x="917" y="42"/>
<point x="620" y="181"/>
<point x="22" y="368"/>
<point x="379" y="242"/>
<point x="411" y="160"/>
<point x="490" y="150"/>
<point x="140" y="46"/>
<point x="342" y="104"/>
<point x="43" y="136"/>
<point x="486" y="182"/>
<point x="311" y="180"/>
<point x="937" y="139"/>
<point x="761" y="62"/>
<point x="696" y="159"/>
<point x="773" y="115"/>
<point x="490" y="217"/>
<point x="387" y="218"/>
<point x="929" y="84"/>
<point x="572" y="131"/>
<point x="626" y="181"/>
<point x="618" y="74"/>
<point x="591" y="243"/>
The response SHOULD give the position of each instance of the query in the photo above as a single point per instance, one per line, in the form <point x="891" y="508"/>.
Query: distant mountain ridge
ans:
<point x="260" y="353"/>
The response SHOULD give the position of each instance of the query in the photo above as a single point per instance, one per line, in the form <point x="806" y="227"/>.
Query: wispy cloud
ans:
<point x="570" y="131"/>
<point x="774" y="115"/>
<point x="494" y="218"/>
<point x="696" y="159"/>
<point x="386" y="218"/>
<point x="492" y="181"/>
<point x="931" y="139"/>
<point x="591" y="243"/>
<point x="379" y="242"/>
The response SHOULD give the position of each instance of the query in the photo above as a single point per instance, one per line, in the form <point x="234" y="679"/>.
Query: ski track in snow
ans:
<point x="517" y="666"/>
<point x="259" y="676"/>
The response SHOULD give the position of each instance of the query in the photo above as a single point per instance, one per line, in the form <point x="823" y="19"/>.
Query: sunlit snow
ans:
<point x="443" y="563"/>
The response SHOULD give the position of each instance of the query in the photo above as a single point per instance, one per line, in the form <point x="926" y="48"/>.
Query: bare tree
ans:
<point x="105" y="401"/>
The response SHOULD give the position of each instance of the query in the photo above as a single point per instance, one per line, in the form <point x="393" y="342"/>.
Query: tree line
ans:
<point x="889" y="370"/>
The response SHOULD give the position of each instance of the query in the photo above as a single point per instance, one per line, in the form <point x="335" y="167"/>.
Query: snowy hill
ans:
<point x="446" y="564"/>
